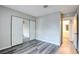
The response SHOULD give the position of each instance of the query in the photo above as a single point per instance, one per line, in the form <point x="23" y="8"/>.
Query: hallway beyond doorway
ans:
<point x="67" y="47"/>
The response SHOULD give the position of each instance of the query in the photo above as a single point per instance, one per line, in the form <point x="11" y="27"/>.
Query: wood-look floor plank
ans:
<point x="32" y="47"/>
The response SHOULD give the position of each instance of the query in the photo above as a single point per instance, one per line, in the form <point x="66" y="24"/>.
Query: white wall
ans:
<point x="5" y="25"/>
<point x="49" y="28"/>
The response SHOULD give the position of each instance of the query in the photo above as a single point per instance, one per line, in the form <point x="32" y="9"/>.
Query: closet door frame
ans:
<point x="23" y="19"/>
<point x="11" y="29"/>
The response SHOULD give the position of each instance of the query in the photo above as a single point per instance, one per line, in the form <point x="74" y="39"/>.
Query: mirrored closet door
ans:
<point x="26" y="26"/>
<point x="22" y="30"/>
<point x="32" y="30"/>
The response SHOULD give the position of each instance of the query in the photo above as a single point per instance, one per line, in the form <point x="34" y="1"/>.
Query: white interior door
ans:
<point x="17" y="30"/>
<point x="32" y="30"/>
<point x="66" y="29"/>
<point x="75" y="31"/>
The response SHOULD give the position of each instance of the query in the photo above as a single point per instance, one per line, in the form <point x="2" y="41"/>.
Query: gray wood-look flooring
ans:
<point x="32" y="47"/>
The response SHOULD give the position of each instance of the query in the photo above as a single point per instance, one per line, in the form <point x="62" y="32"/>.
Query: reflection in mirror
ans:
<point x="26" y="30"/>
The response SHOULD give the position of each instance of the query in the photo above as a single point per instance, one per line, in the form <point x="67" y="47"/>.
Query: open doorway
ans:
<point x="69" y="42"/>
<point x="69" y="30"/>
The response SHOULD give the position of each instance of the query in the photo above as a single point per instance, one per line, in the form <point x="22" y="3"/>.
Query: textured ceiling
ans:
<point x="38" y="10"/>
